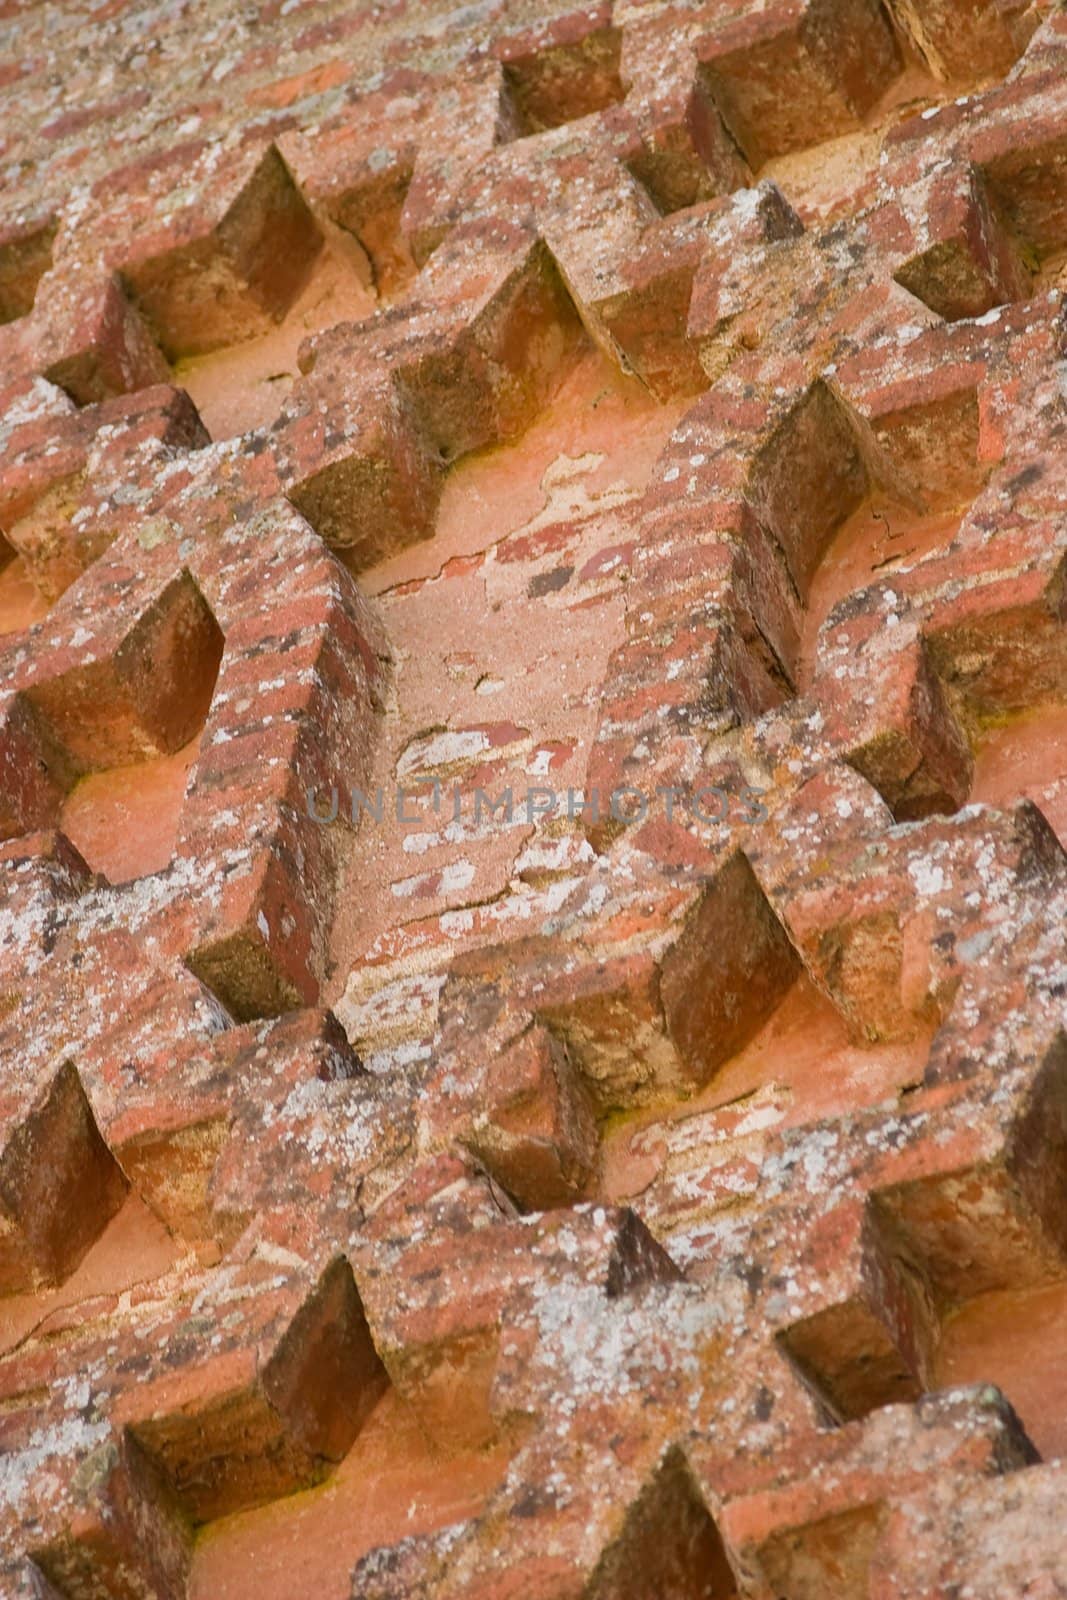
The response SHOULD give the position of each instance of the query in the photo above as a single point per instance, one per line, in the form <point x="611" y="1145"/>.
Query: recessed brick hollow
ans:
<point x="571" y="75"/>
<point x="25" y="255"/>
<point x="533" y="798"/>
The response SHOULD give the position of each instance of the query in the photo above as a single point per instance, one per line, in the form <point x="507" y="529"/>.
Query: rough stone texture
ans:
<point x="533" y="800"/>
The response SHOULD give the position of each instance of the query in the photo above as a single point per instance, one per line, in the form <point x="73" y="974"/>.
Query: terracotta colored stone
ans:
<point x="532" y="791"/>
<point x="25" y="255"/>
<point x="255" y="258"/>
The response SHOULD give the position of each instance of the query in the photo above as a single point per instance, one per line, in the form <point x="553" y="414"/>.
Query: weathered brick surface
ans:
<point x="652" y="1188"/>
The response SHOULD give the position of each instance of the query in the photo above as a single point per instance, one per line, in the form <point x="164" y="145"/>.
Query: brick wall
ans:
<point x="533" y="792"/>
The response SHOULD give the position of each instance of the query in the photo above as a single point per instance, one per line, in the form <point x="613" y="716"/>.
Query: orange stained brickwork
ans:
<point x="533" y="800"/>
